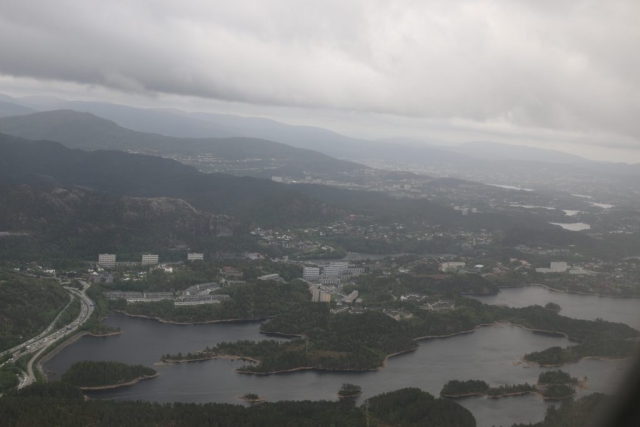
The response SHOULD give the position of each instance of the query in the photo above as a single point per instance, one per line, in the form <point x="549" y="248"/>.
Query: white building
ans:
<point x="276" y="178"/>
<point x="329" y="280"/>
<point x="349" y="299"/>
<point x="451" y="266"/>
<point x="336" y="269"/>
<point x="275" y="277"/>
<point x="195" y="257"/>
<point x="555" y="267"/>
<point x="354" y="271"/>
<point x="311" y="273"/>
<point x="148" y="259"/>
<point x="107" y="260"/>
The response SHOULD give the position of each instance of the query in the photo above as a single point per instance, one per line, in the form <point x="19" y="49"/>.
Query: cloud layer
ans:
<point x="563" y="65"/>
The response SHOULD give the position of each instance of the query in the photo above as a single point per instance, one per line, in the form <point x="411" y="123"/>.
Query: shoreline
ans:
<point x="73" y="338"/>
<point x="602" y="359"/>
<point x="112" y="386"/>
<point x="202" y="359"/>
<point x="284" y="371"/>
<point x="463" y="395"/>
<point x="192" y="323"/>
<point x="586" y="294"/>
<point x="519" y="393"/>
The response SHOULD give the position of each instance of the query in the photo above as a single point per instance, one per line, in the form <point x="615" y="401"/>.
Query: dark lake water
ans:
<point x="487" y="354"/>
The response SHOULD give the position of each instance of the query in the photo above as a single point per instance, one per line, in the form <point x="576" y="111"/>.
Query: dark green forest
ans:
<point x="455" y="388"/>
<point x="97" y="374"/>
<point x="556" y="377"/>
<point x="27" y="306"/>
<point x="61" y="404"/>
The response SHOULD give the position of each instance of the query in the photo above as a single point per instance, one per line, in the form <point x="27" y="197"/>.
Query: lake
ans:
<point x="487" y="354"/>
<point x="573" y="226"/>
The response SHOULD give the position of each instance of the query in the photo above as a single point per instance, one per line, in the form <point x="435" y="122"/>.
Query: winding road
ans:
<point x="41" y="343"/>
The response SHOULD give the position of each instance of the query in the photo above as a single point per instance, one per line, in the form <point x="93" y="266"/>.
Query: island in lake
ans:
<point x="349" y="391"/>
<point x="88" y="375"/>
<point x="552" y="385"/>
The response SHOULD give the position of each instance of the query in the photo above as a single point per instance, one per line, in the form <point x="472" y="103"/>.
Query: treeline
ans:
<point x="59" y="403"/>
<point x="558" y="391"/>
<point x="94" y="324"/>
<point x="27" y="307"/>
<point x="98" y="374"/>
<point x="579" y="412"/>
<point x="349" y="390"/>
<point x="599" y="346"/>
<point x="248" y="302"/>
<point x="455" y="388"/>
<point x="8" y="377"/>
<point x="414" y="407"/>
<point x="556" y="377"/>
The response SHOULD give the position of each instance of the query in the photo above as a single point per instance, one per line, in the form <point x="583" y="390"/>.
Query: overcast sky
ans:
<point x="556" y="74"/>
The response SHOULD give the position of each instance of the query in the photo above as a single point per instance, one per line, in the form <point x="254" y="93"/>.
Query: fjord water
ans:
<point x="486" y="354"/>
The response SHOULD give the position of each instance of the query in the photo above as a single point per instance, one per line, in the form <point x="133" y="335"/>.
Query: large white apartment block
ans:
<point x="195" y="257"/>
<point x="311" y="273"/>
<point x="107" y="260"/>
<point x="336" y="269"/>
<point x="148" y="259"/>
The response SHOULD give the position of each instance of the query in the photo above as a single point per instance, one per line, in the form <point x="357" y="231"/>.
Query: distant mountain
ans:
<point x="244" y="156"/>
<point x="46" y="164"/>
<point x="10" y="109"/>
<point x="263" y="202"/>
<point x="181" y="124"/>
<point x="499" y="151"/>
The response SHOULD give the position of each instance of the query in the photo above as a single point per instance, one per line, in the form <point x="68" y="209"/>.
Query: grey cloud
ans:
<point x="562" y="65"/>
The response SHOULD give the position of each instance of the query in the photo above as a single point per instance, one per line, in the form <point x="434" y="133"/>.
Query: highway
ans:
<point x="41" y="334"/>
<point x="40" y="344"/>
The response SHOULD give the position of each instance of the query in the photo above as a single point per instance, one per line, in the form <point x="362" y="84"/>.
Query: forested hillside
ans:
<point x="27" y="307"/>
<point x="252" y="200"/>
<point x="58" y="224"/>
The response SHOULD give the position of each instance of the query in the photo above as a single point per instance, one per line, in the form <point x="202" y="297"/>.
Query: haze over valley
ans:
<point x="345" y="214"/>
